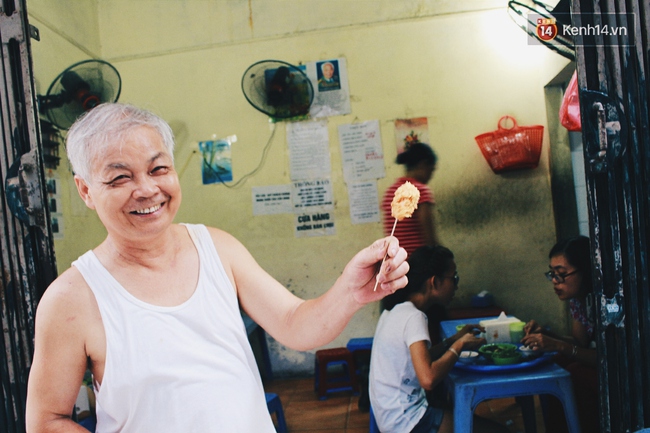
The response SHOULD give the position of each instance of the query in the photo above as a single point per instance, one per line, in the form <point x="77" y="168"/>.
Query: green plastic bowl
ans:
<point x="487" y="350"/>
<point x="516" y="358"/>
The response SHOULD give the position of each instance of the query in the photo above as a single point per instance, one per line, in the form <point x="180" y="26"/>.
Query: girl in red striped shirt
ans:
<point x="419" y="230"/>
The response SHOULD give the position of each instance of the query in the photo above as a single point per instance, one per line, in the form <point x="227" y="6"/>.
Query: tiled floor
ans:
<point x="304" y="412"/>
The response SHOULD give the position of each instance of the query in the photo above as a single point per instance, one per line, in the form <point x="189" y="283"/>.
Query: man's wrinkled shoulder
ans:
<point x="68" y="291"/>
<point x="227" y="245"/>
<point x="219" y="235"/>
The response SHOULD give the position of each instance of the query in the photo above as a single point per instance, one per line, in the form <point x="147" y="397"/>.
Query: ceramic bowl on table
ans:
<point x="527" y="351"/>
<point x="467" y="356"/>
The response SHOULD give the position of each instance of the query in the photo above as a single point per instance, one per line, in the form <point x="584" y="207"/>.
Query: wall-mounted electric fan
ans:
<point x="78" y="89"/>
<point x="278" y="89"/>
<point x="525" y="14"/>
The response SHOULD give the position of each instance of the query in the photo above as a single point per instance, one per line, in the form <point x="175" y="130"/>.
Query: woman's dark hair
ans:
<point x="577" y="252"/>
<point x="425" y="262"/>
<point x="415" y="153"/>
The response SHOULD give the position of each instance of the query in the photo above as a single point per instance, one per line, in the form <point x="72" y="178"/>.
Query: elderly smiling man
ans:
<point x="154" y="310"/>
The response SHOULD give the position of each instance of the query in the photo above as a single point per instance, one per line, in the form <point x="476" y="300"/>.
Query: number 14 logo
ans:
<point x="546" y="29"/>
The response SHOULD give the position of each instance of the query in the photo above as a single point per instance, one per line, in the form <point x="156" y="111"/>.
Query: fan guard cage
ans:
<point x="277" y="89"/>
<point x="519" y="12"/>
<point x="94" y="82"/>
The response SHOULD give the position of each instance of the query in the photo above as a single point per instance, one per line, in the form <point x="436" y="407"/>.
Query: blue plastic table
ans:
<point x="448" y="327"/>
<point x="468" y="389"/>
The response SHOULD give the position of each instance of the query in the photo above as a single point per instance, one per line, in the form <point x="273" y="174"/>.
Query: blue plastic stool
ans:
<point x="360" y="349"/>
<point x="373" y="423"/>
<point x="275" y="405"/>
<point x="89" y="423"/>
<point x="326" y="358"/>
<point x="359" y="344"/>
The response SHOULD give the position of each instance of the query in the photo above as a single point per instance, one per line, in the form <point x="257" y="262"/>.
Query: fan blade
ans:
<point x="276" y="93"/>
<point x="278" y="89"/>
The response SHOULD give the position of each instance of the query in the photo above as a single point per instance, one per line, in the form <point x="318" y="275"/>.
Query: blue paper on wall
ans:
<point x="217" y="161"/>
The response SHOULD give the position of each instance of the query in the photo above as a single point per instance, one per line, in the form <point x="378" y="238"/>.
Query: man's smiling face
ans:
<point x="133" y="186"/>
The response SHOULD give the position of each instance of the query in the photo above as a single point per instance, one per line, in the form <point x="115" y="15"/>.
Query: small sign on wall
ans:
<point x="273" y="199"/>
<point x="364" y="202"/>
<point x="314" y="224"/>
<point x="313" y="193"/>
<point x="361" y="151"/>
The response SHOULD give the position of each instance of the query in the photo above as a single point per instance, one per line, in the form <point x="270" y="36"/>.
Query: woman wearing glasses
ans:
<point x="570" y="273"/>
<point x="403" y="365"/>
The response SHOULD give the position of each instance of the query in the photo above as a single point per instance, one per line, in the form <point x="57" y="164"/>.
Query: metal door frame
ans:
<point x="614" y="95"/>
<point x="27" y="264"/>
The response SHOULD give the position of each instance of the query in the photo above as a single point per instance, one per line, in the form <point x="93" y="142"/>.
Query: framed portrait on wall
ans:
<point x="329" y="79"/>
<point x="328" y="75"/>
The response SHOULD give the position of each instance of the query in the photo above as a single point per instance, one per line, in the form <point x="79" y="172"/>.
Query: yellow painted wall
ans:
<point x="460" y="69"/>
<point x="67" y="35"/>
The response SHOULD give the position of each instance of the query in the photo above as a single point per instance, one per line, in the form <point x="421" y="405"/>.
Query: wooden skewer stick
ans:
<point x="384" y="259"/>
<point x="404" y="203"/>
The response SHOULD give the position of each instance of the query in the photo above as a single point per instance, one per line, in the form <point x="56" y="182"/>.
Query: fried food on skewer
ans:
<point x="405" y="201"/>
<point x="403" y="205"/>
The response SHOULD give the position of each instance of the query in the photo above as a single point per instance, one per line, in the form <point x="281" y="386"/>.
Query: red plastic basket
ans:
<point x="511" y="148"/>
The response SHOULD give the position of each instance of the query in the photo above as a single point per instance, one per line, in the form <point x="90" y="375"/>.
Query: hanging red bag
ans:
<point x="570" y="108"/>
<point x="511" y="148"/>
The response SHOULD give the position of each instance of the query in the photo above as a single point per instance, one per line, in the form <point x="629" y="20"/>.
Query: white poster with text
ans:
<point x="272" y="199"/>
<point x="309" y="150"/>
<point x="361" y="151"/>
<point x="313" y="193"/>
<point x="364" y="202"/>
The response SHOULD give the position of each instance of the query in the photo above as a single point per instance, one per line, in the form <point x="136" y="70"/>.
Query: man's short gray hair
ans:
<point x="107" y="124"/>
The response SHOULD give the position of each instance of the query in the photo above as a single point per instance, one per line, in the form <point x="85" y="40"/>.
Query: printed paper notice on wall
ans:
<point x="314" y="224"/>
<point x="364" y="202"/>
<point x="309" y="150"/>
<point x="273" y="199"/>
<point x="361" y="151"/>
<point x="312" y="194"/>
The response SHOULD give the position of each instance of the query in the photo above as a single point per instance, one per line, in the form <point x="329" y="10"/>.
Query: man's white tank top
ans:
<point x="188" y="368"/>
